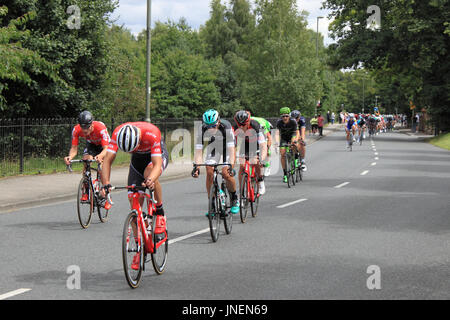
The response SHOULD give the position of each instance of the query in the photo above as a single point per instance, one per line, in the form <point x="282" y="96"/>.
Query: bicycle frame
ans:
<point x="140" y="226"/>
<point x="250" y="172"/>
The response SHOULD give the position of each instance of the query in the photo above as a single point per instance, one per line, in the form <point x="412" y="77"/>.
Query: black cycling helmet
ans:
<point x="85" y="119"/>
<point x="295" y="114"/>
<point x="242" y="117"/>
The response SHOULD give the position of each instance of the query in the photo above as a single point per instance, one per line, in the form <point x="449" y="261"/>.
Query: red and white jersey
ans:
<point x="149" y="142"/>
<point x="99" y="136"/>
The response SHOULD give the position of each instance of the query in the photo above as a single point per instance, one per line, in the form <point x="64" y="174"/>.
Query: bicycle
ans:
<point x="249" y="191"/>
<point x="350" y="142"/>
<point x="361" y="136"/>
<point x="143" y="235"/>
<point x="218" y="203"/>
<point x="289" y="162"/>
<point x="91" y="187"/>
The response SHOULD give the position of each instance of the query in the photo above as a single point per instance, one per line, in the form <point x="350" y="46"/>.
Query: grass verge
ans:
<point x="442" y="141"/>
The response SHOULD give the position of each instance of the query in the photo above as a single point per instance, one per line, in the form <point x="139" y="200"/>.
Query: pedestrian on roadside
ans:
<point x="333" y="117"/>
<point x="328" y="117"/>
<point x="320" y="121"/>
<point x="313" y="123"/>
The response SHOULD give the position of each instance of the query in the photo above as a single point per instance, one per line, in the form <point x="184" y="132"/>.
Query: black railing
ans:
<point x="29" y="146"/>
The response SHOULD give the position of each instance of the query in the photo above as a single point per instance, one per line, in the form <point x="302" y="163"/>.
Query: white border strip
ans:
<point x="13" y="293"/>
<point x="342" y="185"/>
<point x="290" y="203"/>
<point x="190" y="235"/>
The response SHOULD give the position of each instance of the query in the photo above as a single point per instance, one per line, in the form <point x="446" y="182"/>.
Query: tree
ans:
<point x="80" y="56"/>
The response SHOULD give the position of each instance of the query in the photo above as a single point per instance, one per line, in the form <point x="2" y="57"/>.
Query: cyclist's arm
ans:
<point x="156" y="171"/>
<point x="72" y="153"/>
<point x="106" y="170"/>
<point x="102" y="154"/>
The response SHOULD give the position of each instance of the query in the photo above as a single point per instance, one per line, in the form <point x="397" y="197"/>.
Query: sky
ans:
<point x="133" y="13"/>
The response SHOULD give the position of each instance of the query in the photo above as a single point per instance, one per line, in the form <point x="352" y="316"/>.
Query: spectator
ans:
<point x="328" y="117"/>
<point x="320" y="121"/>
<point x="333" y="117"/>
<point x="341" y="117"/>
<point x="314" y="125"/>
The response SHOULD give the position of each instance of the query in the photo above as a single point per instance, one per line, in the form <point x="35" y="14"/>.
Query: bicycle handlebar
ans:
<point x="69" y="166"/>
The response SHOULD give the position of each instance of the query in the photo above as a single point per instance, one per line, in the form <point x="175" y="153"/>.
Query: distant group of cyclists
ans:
<point x="356" y="125"/>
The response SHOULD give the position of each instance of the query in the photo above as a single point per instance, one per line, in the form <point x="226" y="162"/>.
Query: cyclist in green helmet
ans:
<point x="288" y="134"/>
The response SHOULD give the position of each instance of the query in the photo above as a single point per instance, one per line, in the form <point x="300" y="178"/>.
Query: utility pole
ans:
<point x="149" y="50"/>
<point x="317" y="52"/>
<point x="317" y="37"/>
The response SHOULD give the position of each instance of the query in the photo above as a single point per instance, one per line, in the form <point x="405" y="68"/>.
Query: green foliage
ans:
<point x="408" y="55"/>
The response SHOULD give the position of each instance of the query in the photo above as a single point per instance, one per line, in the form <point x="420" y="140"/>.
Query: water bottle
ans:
<point x="222" y="198"/>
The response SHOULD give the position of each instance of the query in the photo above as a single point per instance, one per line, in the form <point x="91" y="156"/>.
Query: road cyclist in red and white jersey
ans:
<point x="148" y="161"/>
<point x="97" y="141"/>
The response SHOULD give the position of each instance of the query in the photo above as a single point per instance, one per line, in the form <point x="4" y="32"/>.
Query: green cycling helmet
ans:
<point x="210" y="117"/>
<point x="285" y="110"/>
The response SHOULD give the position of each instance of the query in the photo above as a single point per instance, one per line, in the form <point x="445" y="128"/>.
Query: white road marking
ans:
<point x="376" y="158"/>
<point x="342" y="185"/>
<point x="190" y="235"/>
<point x="376" y="153"/>
<point x="290" y="203"/>
<point x="364" y="172"/>
<point x="373" y="164"/>
<point x="13" y="293"/>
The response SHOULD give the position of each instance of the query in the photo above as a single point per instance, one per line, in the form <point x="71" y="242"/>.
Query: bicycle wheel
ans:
<point x="298" y="173"/>
<point x="159" y="257"/>
<point x="85" y="208"/>
<point x="288" y="169"/>
<point x="214" y="213"/>
<point x="228" y="216"/>
<point x="243" y="208"/>
<point x="132" y="249"/>
<point x="293" y="169"/>
<point x="254" y="204"/>
<point x="101" y="211"/>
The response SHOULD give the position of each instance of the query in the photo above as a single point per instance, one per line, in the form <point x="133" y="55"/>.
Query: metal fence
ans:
<point x="33" y="146"/>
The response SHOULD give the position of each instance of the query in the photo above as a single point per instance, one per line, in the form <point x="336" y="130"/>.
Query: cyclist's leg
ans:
<point x="209" y="178"/>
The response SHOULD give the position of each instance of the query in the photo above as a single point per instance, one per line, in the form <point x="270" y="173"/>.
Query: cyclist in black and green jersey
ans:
<point x="288" y="134"/>
<point x="266" y="126"/>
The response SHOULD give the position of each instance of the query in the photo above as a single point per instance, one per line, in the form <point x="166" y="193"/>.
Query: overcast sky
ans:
<point x="132" y="13"/>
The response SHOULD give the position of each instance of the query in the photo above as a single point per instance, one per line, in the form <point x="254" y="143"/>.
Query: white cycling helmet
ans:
<point x="128" y="138"/>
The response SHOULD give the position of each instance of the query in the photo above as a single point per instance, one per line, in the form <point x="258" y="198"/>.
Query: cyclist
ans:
<point x="361" y="122"/>
<point x="350" y="127"/>
<point x="148" y="161"/>
<point x="219" y="133"/>
<point x="301" y="145"/>
<point x="288" y="134"/>
<point x="97" y="140"/>
<point x="372" y="124"/>
<point x="253" y="146"/>
<point x="267" y="127"/>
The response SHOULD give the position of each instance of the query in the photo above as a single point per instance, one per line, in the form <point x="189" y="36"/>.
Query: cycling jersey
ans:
<point x="361" y="121"/>
<point x="264" y="124"/>
<point x="150" y="139"/>
<point x="350" y="124"/>
<point x="223" y="135"/>
<point x="99" y="136"/>
<point x="287" y="130"/>
<point x="254" y="136"/>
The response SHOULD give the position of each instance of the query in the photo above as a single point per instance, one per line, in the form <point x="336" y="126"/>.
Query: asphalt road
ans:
<point x="385" y="205"/>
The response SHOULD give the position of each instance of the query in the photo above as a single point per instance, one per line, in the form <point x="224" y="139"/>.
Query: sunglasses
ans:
<point x="285" y="116"/>
<point x="85" y="127"/>
<point x="211" y="126"/>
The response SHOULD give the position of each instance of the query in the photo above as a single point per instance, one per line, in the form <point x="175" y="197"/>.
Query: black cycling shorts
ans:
<point x="92" y="149"/>
<point x="138" y="164"/>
